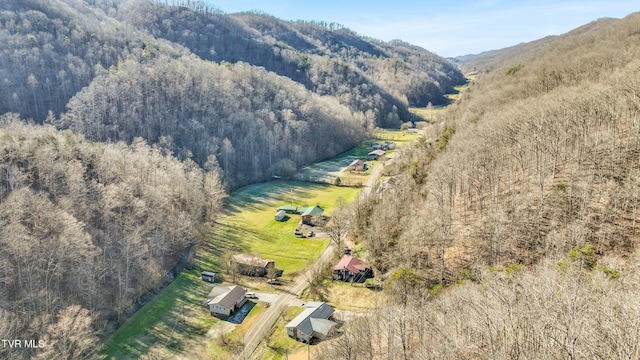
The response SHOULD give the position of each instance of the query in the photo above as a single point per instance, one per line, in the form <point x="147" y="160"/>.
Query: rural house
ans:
<point x="253" y="266"/>
<point x="353" y="269"/>
<point x="308" y="213"/>
<point x="357" y="165"/>
<point x="312" y="322"/>
<point x="224" y="300"/>
<point x="376" y="155"/>
<point x="388" y="145"/>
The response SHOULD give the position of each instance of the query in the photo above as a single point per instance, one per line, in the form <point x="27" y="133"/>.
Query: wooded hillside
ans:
<point x="139" y="111"/>
<point x="532" y="175"/>
<point x="87" y="230"/>
<point x="53" y="49"/>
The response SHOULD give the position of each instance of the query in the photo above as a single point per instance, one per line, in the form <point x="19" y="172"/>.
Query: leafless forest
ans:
<point x="125" y="122"/>
<point x="518" y="214"/>
<point x="88" y="229"/>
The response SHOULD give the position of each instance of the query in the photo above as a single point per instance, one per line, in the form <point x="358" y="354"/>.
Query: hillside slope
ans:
<point x="78" y="56"/>
<point x="534" y="169"/>
<point x="87" y="231"/>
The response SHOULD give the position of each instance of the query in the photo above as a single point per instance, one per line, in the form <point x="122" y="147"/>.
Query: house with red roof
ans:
<point x="350" y="268"/>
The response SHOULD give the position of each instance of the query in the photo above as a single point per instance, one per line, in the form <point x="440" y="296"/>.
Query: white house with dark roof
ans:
<point x="224" y="300"/>
<point x="312" y="322"/>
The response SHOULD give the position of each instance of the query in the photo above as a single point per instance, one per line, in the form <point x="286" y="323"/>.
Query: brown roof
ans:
<point x="356" y="163"/>
<point x="250" y="260"/>
<point x="351" y="263"/>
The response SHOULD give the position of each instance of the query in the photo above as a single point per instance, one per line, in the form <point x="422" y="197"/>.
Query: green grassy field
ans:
<point x="175" y="320"/>
<point x="248" y="221"/>
<point x="431" y="114"/>
<point x="327" y="171"/>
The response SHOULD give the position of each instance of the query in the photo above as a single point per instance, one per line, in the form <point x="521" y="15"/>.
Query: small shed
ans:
<point x="280" y="215"/>
<point x="208" y="276"/>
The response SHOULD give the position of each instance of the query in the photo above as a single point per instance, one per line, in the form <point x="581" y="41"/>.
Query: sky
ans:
<point x="448" y="28"/>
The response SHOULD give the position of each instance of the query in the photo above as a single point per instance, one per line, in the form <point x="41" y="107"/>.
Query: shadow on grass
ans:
<point x="270" y="194"/>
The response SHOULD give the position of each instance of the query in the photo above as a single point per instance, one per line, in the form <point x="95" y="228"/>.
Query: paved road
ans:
<point x="256" y="334"/>
<point x="373" y="179"/>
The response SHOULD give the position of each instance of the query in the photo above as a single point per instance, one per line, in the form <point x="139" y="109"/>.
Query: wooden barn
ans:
<point x="254" y="266"/>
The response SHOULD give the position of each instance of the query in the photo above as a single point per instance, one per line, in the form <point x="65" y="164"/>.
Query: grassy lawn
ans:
<point x="171" y="317"/>
<point x="175" y="320"/>
<point x="344" y="296"/>
<point x="400" y="137"/>
<point x="248" y="221"/>
<point x="327" y="171"/>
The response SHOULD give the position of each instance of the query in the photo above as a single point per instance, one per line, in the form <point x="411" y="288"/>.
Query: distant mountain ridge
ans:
<point x="57" y="52"/>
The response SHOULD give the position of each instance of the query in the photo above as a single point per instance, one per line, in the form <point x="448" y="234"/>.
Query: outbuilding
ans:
<point x="357" y="165"/>
<point x="208" y="276"/>
<point x="280" y="215"/>
<point x="253" y="265"/>
<point x="289" y="209"/>
<point x="376" y="155"/>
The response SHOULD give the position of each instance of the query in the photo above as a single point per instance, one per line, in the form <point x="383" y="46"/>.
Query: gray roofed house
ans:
<point x="223" y="300"/>
<point x="376" y="155"/>
<point x="311" y="322"/>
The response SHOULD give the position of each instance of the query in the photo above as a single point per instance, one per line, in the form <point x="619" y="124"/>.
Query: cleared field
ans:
<point x="174" y="321"/>
<point x="327" y="171"/>
<point x="248" y="221"/>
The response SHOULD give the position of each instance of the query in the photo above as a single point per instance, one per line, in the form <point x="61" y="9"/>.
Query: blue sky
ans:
<point x="448" y="28"/>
